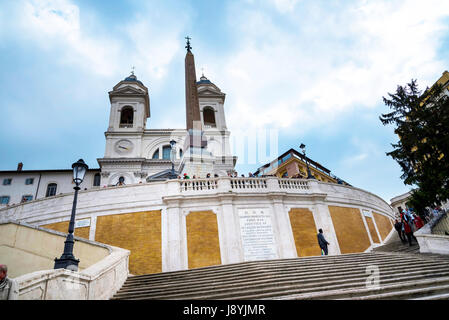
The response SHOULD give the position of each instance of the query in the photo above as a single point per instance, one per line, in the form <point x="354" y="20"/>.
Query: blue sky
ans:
<point x="313" y="71"/>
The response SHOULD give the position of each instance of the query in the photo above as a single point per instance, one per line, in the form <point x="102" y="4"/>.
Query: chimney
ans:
<point x="19" y="166"/>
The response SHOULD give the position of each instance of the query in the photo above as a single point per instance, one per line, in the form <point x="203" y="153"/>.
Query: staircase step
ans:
<point x="316" y="276"/>
<point x="272" y="289"/>
<point x="404" y="274"/>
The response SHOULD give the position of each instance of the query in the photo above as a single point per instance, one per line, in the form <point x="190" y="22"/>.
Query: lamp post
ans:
<point x="172" y="173"/>
<point x="68" y="260"/>
<point x="309" y="174"/>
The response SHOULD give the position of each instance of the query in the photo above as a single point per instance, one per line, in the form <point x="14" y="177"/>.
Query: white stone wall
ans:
<point x="17" y="189"/>
<point x="224" y="196"/>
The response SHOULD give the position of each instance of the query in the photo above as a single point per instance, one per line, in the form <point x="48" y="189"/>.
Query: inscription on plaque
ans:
<point x="257" y="235"/>
<point x="82" y="223"/>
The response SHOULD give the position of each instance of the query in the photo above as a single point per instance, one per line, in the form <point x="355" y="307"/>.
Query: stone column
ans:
<point x="323" y="220"/>
<point x="286" y="244"/>
<point x="233" y="249"/>
<point x="366" y="227"/>
<point x="174" y="256"/>
<point x="93" y="227"/>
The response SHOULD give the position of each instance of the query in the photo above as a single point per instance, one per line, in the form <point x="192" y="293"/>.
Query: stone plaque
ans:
<point x="256" y="230"/>
<point x="82" y="223"/>
<point x="366" y="213"/>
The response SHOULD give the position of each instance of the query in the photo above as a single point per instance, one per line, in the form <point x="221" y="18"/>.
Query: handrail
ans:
<point x="441" y="225"/>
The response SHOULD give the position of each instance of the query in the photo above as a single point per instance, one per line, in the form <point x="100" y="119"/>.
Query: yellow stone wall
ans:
<point x="203" y="245"/>
<point x="351" y="232"/>
<point x="139" y="232"/>
<point x="372" y="229"/>
<point x="383" y="224"/>
<point x="304" y="232"/>
<point x="64" y="227"/>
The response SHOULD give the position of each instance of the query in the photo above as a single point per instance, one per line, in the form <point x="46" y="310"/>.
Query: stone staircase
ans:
<point x="401" y="276"/>
<point x="394" y="244"/>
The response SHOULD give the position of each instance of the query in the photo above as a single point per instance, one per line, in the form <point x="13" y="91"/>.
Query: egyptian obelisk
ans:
<point x="193" y="118"/>
<point x="197" y="161"/>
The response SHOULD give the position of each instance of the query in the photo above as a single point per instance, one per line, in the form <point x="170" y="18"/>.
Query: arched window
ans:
<point x="121" y="181"/>
<point x="156" y="154"/>
<point x="96" y="180"/>
<point x="180" y="153"/>
<point x="209" y="117"/>
<point x="126" y="117"/>
<point x="51" y="189"/>
<point x="166" y="150"/>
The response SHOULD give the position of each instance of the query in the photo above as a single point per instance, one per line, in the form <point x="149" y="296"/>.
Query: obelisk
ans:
<point x="197" y="161"/>
<point x="193" y="118"/>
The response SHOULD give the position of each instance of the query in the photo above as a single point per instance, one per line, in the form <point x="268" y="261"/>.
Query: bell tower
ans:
<point x="130" y="105"/>
<point x="129" y="111"/>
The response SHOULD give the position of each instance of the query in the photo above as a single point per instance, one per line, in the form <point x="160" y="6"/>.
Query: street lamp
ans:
<point x="172" y="174"/>
<point x="309" y="174"/>
<point x="68" y="260"/>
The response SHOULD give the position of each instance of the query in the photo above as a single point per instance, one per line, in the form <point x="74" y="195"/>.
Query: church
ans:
<point x="137" y="199"/>
<point x="135" y="154"/>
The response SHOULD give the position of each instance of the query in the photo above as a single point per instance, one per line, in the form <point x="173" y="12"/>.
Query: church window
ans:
<point x="7" y="182"/>
<point x="166" y="150"/>
<point x="51" y="189"/>
<point x="29" y="181"/>
<point x="96" y="180"/>
<point x="209" y="117"/>
<point x="126" y="117"/>
<point x="4" y="199"/>
<point x="121" y="181"/>
<point x="27" y="198"/>
<point x="156" y="154"/>
<point x="180" y="153"/>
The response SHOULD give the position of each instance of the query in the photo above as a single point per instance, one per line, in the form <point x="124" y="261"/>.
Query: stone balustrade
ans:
<point x="152" y="194"/>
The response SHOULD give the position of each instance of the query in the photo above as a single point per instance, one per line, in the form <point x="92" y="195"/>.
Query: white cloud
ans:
<point x="55" y="25"/>
<point x="285" y="6"/>
<point x="144" y="41"/>
<point x="154" y="45"/>
<point x="316" y="65"/>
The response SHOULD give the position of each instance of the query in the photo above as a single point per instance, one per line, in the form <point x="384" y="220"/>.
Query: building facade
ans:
<point x="293" y="164"/>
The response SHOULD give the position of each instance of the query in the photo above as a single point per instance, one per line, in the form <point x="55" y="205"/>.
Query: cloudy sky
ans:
<point x="310" y="72"/>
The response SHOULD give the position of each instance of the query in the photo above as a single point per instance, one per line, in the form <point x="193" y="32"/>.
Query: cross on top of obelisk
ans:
<point x="188" y="47"/>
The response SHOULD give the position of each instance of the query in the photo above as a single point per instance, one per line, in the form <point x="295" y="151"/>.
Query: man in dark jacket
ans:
<point x="398" y="227"/>
<point x="322" y="242"/>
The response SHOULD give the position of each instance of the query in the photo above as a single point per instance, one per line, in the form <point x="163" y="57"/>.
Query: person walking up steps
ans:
<point x="322" y="242"/>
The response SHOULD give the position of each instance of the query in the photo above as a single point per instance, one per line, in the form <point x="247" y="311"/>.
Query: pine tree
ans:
<point x="422" y="124"/>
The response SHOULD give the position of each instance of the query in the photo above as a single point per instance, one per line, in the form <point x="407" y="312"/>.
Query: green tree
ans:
<point x="422" y="124"/>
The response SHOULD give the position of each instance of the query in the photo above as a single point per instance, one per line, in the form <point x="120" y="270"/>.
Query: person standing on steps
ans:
<point x="408" y="232"/>
<point x="398" y="227"/>
<point x="322" y="242"/>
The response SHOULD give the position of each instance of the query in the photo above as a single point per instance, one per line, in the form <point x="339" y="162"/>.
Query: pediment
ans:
<point x="210" y="91"/>
<point x="126" y="90"/>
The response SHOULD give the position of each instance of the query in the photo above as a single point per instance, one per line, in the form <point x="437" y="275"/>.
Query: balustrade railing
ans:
<point x="293" y="184"/>
<point x="198" y="184"/>
<point x="441" y="227"/>
<point x="249" y="183"/>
